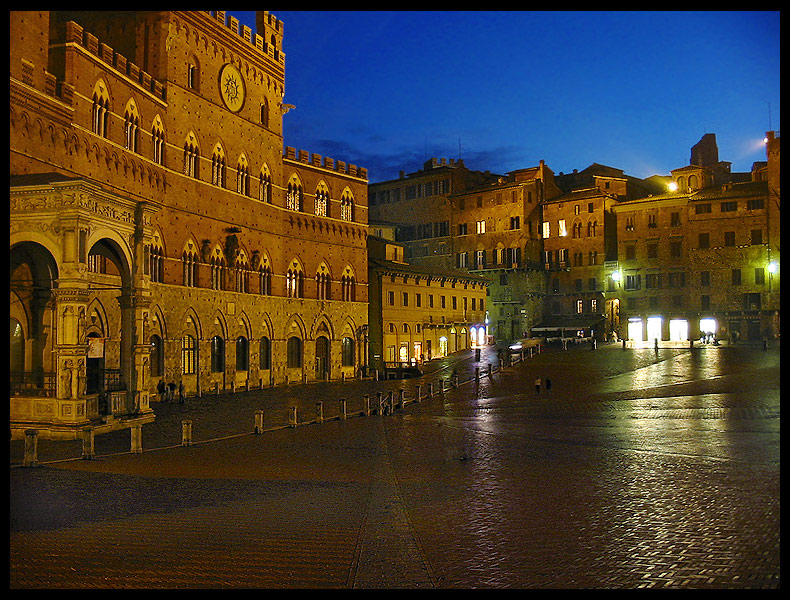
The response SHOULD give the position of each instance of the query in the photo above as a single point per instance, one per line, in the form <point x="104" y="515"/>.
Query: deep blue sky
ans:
<point x="632" y="90"/>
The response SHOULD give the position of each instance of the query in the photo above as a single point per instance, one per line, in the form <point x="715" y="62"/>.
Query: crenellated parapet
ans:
<point x="267" y="40"/>
<point x="76" y="34"/>
<point x="325" y="162"/>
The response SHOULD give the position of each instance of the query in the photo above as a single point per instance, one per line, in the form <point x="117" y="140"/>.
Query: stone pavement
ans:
<point x="637" y="469"/>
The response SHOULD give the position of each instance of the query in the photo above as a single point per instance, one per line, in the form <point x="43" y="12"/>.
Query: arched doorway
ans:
<point x="322" y="358"/>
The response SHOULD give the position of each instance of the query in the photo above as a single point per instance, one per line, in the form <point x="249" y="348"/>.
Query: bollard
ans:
<point x="186" y="432"/>
<point x="401" y="399"/>
<point x="136" y="432"/>
<point x="216" y="388"/>
<point x="292" y="417"/>
<point x="87" y="443"/>
<point x="490" y="370"/>
<point x="477" y="374"/>
<point x="455" y="380"/>
<point x="31" y="448"/>
<point x="342" y="377"/>
<point x="342" y="409"/>
<point x="366" y="405"/>
<point x="430" y="390"/>
<point x="258" y="421"/>
<point x="623" y="343"/>
<point x="390" y="402"/>
<point x="319" y="412"/>
<point x="232" y="387"/>
<point x="417" y="393"/>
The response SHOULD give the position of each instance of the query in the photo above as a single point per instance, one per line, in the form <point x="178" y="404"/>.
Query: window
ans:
<point x="157" y="356"/>
<point x="736" y="277"/>
<point x="704" y="240"/>
<point x="217" y="273"/>
<point x="759" y="276"/>
<point x="265" y="277"/>
<point x="156" y="263"/>
<point x="191" y="157"/>
<point x="462" y="229"/>
<point x="677" y="279"/>
<point x="323" y="286"/>
<point x="217" y="354"/>
<point x="405" y="299"/>
<point x="675" y="248"/>
<point x="189" y="263"/>
<point x="633" y="282"/>
<point x="463" y="260"/>
<point x="192" y="75"/>
<point x="591" y="227"/>
<point x="293" y="196"/>
<point x="188" y="355"/>
<point x="730" y="206"/>
<point x="755" y="204"/>
<point x="243" y="177"/>
<point x="652" y="221"/>
<point x="265" y="187"/>
<point x="131" y="127"/>
<point x="705" y="302"/>
<point x="346" y="207"/>
<point x="480" y="227"/>
<point x="158" y="138"/>
<point x="704" y="278"/>
<point x="675" y="219"/>
<point x="347" y="352"/>
<point x="480" y="259"/>
<point x="546" y="230"/>
<point x="629" y="223"/>
<point x="391" y="298"/>
<point x="757" y="237"/>
<point x="515" y="222"/>
<point x="321" y="201"/>
<point x="652" y="250"/>
<point x="100" y="110"/>
<point x="348" y="288"/>
<point x="294" y="283"/>
<point x="594" y="305"/>
<point x="294" y="353"/>
<point x="242" y="354"/>
<point x="729" y="238"/>
<point x="561" y="231"/>
<point x="580" y="306"/>
<point x="265" y="354"/>
<point x="702" y="208"/>
<point x="218" y="167"/>
<point x="630" y="252"/>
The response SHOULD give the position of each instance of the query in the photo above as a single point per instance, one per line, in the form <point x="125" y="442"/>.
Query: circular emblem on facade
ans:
<point x="231" y="87"/>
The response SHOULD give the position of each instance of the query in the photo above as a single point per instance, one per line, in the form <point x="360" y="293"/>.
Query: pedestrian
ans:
<point x="537" y="385"/>
<point x="181" y="395"/>
<point x="548" y="385"/>
<point x="171" y="390"/>
<point x="161" y="390"/>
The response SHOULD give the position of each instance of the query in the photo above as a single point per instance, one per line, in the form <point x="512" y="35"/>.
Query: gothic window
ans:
<point x="294" y="352"/>
<point x="188" y="355"/>
<point x="191" y="156"/>
<point x="242" y="274"/>
<point x="347" y="352"/>
<point x="265" y="187"/>
<point x="322" y="201"/>
<point x="189" y="263"/>
<point x="293" y="196"/>
<point x="348" y="286"/>
<point x="156" y="260"/>
<point x="100" y="110"/>
<point x="323" y="284"/>
<point x="347" y="206"/>
<point x="242" y="354"/>
<point x="158" y="138"/>
<point x="131" y="126"/>
<point x="217" y="354"/>
<point x="218" y="166"/>
<point x="243" y="177"/>
<point x="265" y="275"/>
<point x="265" y="354"/>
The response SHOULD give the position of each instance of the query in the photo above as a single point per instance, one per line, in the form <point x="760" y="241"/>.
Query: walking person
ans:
<point x="171" y="391"/>
<point x="161" y="390"/>
<point x="537" y="385"/>
<point x="181" y="394"/>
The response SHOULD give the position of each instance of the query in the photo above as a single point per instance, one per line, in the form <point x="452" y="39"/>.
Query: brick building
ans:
<point x="159" y="228"/>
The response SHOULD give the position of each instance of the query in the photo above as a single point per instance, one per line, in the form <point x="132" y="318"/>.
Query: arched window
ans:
<point x="191" y="156"/>
<point x="347" y="352"/>
<point x="188" y="355"/>
<point x="218" y="166"/>
<point x="322" y="201"/>
<point x="294" y="281"/>
<point x="217" y="354"/>
<point x="242" y="354"/>
<point x="265" y="186"/>
<point x="348" y="286"/>
<point x="242" y="273"/>
<point x="294" y="195"/>
<point x="131" y="126"/>
<point x="217" y="263"/>
<point x="193" y="74"/>
<point x="158" y="137"/>
<point x="265" y="112"/>
<point x="265" y="354"/>
<point x="347" y="206"/>
<point x="100" y="110"/>
<point x="157" y="360"/>
<point x="17" y="346"/>
<point x="265" y="274"/>
<point x="243" y="177"/>
<point x="323" y="283"/>
<point x="189" y="262"/>
<point x="156" y="260"/>
<point x="294" y="353"/>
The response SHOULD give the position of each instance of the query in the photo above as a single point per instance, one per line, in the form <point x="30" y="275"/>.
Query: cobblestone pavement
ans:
<point x="637" y="469"/>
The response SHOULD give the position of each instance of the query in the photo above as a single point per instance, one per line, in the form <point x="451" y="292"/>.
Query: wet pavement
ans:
<point x="636" y="469"/>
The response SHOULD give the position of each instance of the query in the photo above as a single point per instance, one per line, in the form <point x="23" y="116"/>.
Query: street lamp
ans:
<point x="773" y="267"/>
<point x="672" y="186"/>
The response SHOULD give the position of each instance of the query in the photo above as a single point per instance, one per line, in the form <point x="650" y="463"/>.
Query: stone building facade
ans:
<point x="419" y="313"/>
<point x="160" y="230"/>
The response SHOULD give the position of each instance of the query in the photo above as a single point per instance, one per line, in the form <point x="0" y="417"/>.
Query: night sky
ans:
<point x="503" y="90"/>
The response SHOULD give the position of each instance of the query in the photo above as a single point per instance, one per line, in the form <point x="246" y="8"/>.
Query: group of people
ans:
<point x="538" y="384"/>
<point x="167" y="391"/>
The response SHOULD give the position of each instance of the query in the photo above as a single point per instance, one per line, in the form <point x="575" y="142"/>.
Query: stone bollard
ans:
<point x="490" y="370"/>
<point x="342" y="377"/>
<point x="401" y="399"/>
<point x="366" y="405"/>
<point x="391" y="402"/>
<point x="232" y="387"/>
<point x="186" y="432"/>
<point x="418" y="393"/>
<point x="430" y="390"/>
<point x="477" y="374"/>
<point x="292" y="417"/>
<point x="258" y="421"/>
<point x="136" y="432"/>
<point x="31" y="448"/>
<point x="455" y="380"/>
<point x="342" y="409"/>
<point x="88" y="452"/>
<point x="380" y="403"/>
<point x="319" y="412"/>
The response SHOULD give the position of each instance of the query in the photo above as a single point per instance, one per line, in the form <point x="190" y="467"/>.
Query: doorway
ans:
<point x="322" y="358"/>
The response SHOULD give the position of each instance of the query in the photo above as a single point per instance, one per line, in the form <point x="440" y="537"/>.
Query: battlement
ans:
<point x="265" y="20"/>
<point x="76" y="34"/>
<point x="316" y="160"/>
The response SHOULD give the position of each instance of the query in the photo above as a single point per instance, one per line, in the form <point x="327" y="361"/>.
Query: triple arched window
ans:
<point x="218" y="166"/>
<point x="294" y="196"/>
<point x="347" y="206"/>
<point x="100" y="110"/>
